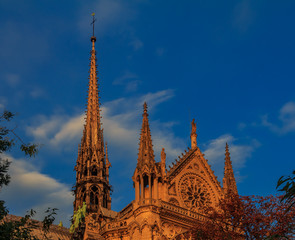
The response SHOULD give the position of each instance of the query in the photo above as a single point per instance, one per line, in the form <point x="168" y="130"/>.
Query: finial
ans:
<point x="229" y="182"/>
<point x="145" y="108"/>
<point x="163" y="155"/>
<point x="194" y="127"/>
<point x="227" y="154"/>
<point x="93" y="38"/>
<point x="194" y="135"/>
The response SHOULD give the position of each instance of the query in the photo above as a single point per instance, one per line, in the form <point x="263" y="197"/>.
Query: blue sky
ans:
<point x="228" y="64"/>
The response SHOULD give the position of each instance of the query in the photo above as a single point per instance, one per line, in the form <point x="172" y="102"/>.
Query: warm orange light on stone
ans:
<point x="167" y="203"/>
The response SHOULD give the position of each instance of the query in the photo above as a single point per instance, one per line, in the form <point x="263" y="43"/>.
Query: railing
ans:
<point x="126" y="210"/>
<point x="148" y="201"/>
<point x="159" y="203"/>
<point x="114" y="225"/>
<point x="181" y="210"/>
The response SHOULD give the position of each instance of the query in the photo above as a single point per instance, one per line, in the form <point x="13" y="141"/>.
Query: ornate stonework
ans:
<point x="193" y="192"/>
<point x="167" y="203"/>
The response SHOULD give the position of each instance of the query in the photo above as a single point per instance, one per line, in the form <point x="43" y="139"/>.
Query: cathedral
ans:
<point x="168" y="202"/>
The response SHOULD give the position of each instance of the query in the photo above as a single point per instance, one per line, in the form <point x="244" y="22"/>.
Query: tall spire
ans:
<point x="146" y="152"/>
<point x="92" y="178"/>
<point x="92" y="134"/>
<point x="229" y="182"/>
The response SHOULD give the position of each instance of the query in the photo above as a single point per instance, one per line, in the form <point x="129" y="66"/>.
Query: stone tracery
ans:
<point x="193" y="192"/>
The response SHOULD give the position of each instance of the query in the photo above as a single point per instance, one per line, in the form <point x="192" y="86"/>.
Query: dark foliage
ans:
<point x="22" y="228"/>
<point x="287" y="185"/>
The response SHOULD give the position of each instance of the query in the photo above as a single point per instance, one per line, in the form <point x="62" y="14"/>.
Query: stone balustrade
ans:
<point x="181" y="210"/>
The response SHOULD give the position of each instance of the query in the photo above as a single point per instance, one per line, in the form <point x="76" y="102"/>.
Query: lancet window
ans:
<point x="83" y="194"/>
<point x="85" y="171"/>
<point x="94" y="171"/>
<point x="94" y="195"/>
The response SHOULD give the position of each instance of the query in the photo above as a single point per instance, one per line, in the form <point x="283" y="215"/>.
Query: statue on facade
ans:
<point x="194" y="127"/>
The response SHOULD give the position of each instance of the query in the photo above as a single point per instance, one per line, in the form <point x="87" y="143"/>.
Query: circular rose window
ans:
<point x="193" y="192"/>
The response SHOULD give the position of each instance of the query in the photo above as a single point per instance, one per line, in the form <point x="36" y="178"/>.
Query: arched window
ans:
<point x="85" y="171"/>
<point x="94" y="195"/>
<point x="94" y="171"/>
<point x="83" y="194"/>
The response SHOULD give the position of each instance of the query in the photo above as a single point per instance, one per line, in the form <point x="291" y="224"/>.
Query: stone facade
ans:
<point x="167" y="203"/>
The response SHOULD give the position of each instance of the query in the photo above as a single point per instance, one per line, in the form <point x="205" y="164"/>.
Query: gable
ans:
<point x="192" y="182"/>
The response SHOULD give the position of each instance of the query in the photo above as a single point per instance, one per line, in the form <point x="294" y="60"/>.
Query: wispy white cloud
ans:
<point x="69" y="131"/>
<point x="12" y="79"/>
<point x="286" y="119"/>
<point x="160" y="51"/>
<point x="37" y="92"/>
<point x="31" y="189"/>
<point x="2" y="103"/>
<point x="129" y="80"/>
<point x="215" y="150"/>
<point x="136" y="44"/>
<point x="243" y="16"/>
<point x="59" y="132"/>
<point x="121" y="122"/>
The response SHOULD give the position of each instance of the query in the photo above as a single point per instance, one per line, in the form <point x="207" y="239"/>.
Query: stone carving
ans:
<point x="92" y="223"/>
<point x="172" y="190"/>
<point x="170" y="231"/>
<point x="173" y="201"/>
<point x="193" y="192"/>
<point x="194" y="127"/>
<point x="196" y="166"/>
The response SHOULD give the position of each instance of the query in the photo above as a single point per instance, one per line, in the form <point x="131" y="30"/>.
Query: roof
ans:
<point x="55" y="232"/>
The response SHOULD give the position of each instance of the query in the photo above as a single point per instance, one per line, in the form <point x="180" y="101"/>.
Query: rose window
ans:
<point x="194" y="193"/>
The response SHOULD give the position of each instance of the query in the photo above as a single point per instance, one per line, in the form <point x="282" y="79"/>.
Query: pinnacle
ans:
<point x="229" y="182"/>
<point x="146" y="152"/>
<point x="145" y="108"/>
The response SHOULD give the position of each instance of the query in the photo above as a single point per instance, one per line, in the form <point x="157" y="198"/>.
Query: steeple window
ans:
<point x="85" y="171"/>
<point x="94" y="195"/>
<point x="94" y="171"/>
<point x="83" y="194"/>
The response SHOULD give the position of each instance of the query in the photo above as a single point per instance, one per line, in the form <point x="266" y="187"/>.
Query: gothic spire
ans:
<point x="92" y="178"/>
<point x="108" y="164"/>
<point x="229" y="182"/>
<point x="92" y="135"/>
<point x="146" y="152"/>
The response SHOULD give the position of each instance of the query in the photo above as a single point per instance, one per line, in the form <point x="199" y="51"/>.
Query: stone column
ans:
<point x="156" y="188"/>
<point x="150" y="186"/>
<point x="136" y="191"/>
<point x="88" y="198"/>
<point x="142" y="188"/>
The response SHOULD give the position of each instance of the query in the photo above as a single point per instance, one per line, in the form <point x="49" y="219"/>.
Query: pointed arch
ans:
<point x="174" y="201"/>
<point x="94" y="193"/>
<point x="94" y="170"/>
<point x="134" y="230"/>
<point x="85" y="171"/>
<point x="82" y="195"/>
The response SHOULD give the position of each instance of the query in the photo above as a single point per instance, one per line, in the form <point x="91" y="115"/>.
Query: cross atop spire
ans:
<point x="229" y="182"/>
<point x="93" y="38"/>
<point x="146" y="152"/>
